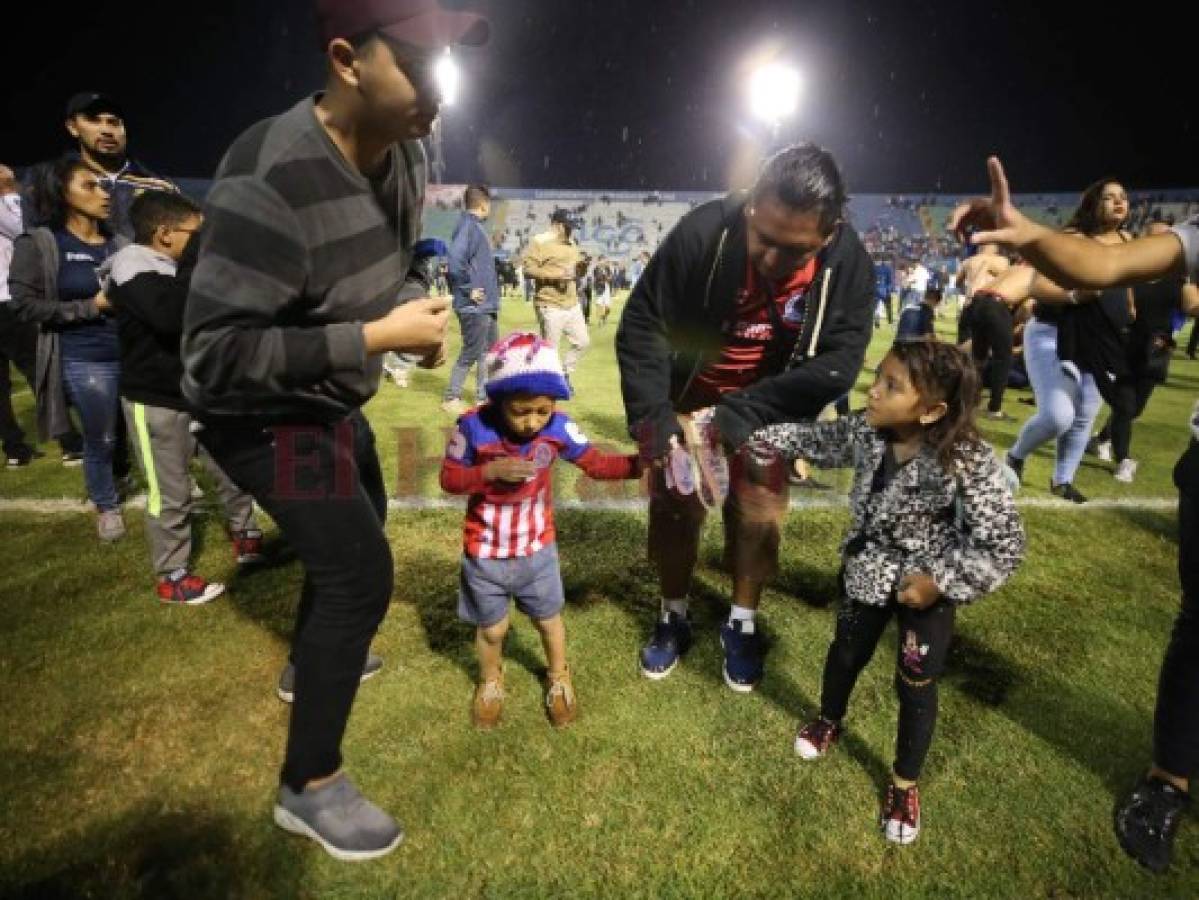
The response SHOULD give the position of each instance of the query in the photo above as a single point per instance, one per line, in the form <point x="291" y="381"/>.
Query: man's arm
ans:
<point x="458" y="258"/>
<point x="643" y="348"/>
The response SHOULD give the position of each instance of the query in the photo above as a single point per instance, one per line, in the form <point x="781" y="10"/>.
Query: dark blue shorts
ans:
<point x="486" y="585"/>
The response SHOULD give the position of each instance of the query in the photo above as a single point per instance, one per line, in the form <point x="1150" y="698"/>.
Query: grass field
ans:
<point x="139" y="744"/>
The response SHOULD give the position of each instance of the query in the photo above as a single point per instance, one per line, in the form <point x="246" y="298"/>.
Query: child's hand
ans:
<point x="509" y="469"/>
<point x="918" y="591"/>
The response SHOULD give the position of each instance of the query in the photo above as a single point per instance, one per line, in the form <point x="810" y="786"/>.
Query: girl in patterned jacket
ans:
<point x="934" y="527"/>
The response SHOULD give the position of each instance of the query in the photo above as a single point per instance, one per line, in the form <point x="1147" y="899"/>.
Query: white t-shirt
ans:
<point x="918" y="278"/>
<point x="10" y="228"/>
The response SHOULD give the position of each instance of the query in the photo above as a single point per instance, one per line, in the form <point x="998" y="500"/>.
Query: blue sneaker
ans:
<point x="744" y="657"/>
<point x="671" y="640"/>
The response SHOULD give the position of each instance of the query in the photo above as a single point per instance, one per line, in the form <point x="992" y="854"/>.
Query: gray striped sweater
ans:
<point x="298" y="250"/>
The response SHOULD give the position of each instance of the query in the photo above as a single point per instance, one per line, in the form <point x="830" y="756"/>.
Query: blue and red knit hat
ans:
<point x="523" y="363"/>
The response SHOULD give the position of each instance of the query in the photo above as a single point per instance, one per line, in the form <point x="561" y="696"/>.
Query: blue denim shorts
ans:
<point x="485" y="586"/>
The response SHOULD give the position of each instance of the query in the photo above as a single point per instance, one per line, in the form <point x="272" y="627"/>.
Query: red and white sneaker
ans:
<point x="247" y="546"/>
<point x="816" y="738"/>
<point x="900" y="819"/>
<point x="190" y="590"/>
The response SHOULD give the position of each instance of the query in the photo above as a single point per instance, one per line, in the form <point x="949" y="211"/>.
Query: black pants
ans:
<point x="991" y="335"/>
<point x="323" y="487"/>
<point x="1176" y="719"/>
<point x="965" y="322"/>
<point x="1132" y="396"/>
<point x="924" y="638"/>
<point x="1193" y="341"/>
<point x="18" y="347"/>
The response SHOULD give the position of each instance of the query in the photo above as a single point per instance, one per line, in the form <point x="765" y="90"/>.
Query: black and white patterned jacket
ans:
<point x="960" y="528"/>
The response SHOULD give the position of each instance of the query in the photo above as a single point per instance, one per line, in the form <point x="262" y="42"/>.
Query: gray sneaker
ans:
<point x="287" y="678"/>
<point x="110" y="526"/>
<point x="340" y="819"/>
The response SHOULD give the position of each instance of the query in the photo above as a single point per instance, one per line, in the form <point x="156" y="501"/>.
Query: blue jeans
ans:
<point x="1066" y="407"/>
<point x="479" y="331"/>
<point x="485" y="586"/>
<point x="92" y="389"/>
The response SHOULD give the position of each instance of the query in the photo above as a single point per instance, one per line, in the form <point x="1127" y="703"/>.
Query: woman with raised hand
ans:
<point x="1147" y="820"/>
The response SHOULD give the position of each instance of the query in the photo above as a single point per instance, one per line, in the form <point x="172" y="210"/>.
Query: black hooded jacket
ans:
<point x="672" y="326"/>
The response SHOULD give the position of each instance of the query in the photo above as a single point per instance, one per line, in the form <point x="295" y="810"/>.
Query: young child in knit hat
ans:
<point x="500" y="454"/>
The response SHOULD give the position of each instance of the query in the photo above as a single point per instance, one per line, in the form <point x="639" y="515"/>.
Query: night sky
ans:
<point x="640" y="94"/>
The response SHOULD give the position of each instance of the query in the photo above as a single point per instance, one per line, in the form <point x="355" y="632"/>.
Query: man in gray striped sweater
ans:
<point x="304" y="279"/>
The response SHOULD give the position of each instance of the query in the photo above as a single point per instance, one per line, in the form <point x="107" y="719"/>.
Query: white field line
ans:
<point x="75" y="505"/>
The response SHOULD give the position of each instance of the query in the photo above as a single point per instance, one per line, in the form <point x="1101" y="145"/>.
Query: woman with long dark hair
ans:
<point x="1071" y="344"/>
<point x="54" y="283"/>
<point x="1148" y="358"/>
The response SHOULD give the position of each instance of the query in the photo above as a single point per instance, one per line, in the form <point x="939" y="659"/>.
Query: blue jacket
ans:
<point x="472" y="266"/>
<point x="884" y="281"/>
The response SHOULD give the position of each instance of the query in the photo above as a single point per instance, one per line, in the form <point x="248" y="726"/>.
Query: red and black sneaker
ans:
<point x="247" y="546"/>
<point x="190" y="590"/>
<point x="900" y="819"/>
<point x="815" y="738"/>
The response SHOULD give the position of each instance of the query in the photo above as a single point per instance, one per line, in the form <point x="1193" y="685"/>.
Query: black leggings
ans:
<point x="1176" y="720"/>
<point x="924" y="638"/>
<point x="991" y="335"/>
<point x="323" y="487"/>
<point x="1131" y="396"/>
<point x="18" y="345"/>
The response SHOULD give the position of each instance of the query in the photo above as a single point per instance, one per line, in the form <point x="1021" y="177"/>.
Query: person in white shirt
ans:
<point x="18" y="340"/>
<point x="915" y="284"/>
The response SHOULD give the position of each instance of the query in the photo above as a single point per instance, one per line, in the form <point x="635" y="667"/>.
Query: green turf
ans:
<point x="139" y="744"/>
<point x="411" y="429"/>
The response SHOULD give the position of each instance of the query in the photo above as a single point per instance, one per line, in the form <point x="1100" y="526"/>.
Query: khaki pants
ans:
<point x="559" y="323"/>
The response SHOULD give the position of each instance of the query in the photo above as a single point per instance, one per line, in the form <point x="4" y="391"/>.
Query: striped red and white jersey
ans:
<point x="505" y="521"/>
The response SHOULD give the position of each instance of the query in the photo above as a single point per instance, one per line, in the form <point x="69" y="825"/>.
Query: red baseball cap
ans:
<point x="422" y="23"/>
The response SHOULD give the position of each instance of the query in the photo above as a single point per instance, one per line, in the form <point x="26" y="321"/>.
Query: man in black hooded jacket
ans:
<point x="756" y="309"/>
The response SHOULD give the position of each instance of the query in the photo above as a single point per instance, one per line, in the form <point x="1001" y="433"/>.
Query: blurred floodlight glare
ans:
<point x="774" y="92"/>
<point x="447" y="76"/>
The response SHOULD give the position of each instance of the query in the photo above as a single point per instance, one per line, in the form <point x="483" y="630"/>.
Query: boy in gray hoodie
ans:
<point x="147" y="284"/>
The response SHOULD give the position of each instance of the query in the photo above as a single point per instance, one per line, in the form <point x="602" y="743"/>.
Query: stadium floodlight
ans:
<point x="447" y="76"/>
<point x="774" y="90"/>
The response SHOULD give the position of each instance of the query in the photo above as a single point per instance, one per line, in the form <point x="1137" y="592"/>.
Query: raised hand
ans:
<point x="994" y="219"/>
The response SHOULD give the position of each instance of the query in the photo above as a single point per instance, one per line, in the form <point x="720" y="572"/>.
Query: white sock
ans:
<point x="745" y="615"/>
<point x="678" y="607"/>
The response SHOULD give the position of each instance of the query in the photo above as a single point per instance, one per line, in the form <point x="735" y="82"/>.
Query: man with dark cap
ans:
<point x="98" y="124"/>
<point x="305" y="278"/>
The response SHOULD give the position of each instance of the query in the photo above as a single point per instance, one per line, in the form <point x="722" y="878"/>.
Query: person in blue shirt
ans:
<point x="919" y="322"/>
<point x="884" y="284"/>
<point x="54" y="283"/>
<point x="476" y="293"/>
